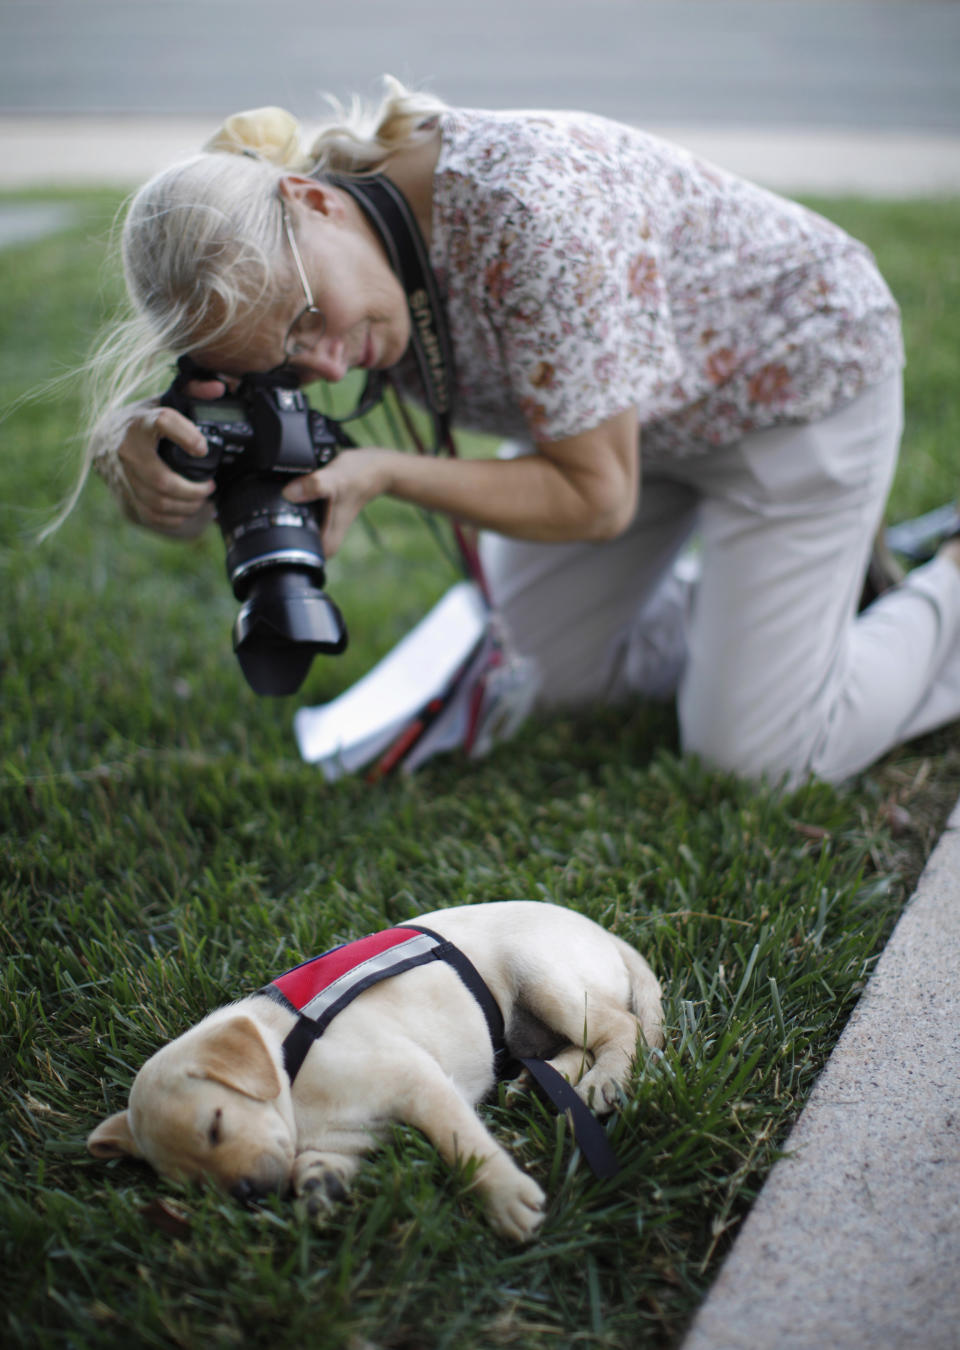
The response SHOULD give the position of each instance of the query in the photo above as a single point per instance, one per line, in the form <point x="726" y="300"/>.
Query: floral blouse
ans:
<point x="588" y="266"/>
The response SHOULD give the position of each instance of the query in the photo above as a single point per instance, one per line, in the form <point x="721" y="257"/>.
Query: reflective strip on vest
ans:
<point x="315" y="986"/>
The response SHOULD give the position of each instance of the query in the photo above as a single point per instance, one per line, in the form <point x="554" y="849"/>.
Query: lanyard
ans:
<point x="388" y="211"/>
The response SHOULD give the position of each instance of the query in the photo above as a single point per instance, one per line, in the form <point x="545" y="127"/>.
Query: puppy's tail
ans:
<point x="645" y="995"/>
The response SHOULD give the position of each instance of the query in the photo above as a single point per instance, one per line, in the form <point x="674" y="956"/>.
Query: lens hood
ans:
<point x="284" y="622"/>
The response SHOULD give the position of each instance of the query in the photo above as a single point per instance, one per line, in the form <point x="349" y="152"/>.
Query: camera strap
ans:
<point x="388" y="211"/>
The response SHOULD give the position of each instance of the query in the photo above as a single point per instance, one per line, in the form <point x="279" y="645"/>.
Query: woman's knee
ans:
<point x="750" y="743"/>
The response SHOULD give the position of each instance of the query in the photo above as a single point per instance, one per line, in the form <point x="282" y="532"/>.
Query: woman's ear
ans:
<point x="313" y="196"/>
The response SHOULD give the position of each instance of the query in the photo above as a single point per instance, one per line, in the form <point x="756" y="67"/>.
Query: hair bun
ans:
<point x="272" y="134"/>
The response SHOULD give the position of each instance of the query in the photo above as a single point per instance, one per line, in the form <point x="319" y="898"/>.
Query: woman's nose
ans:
<point x="326" y="360"/>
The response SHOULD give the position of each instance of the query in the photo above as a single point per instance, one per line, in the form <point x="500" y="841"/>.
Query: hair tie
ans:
<point x="271" y="134"/>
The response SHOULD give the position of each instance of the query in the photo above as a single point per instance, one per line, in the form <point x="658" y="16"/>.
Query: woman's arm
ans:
<point x="582" y="487"/>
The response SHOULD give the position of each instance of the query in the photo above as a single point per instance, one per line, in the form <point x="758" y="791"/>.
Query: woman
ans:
<point x="612" y="302"/>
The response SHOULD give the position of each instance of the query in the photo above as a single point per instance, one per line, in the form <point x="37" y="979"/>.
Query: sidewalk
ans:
<point x="854" y="1242"/>
<point x="38" y="151"/>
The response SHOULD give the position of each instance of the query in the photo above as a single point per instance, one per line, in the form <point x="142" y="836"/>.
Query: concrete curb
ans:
<point x="854" y="1241"/>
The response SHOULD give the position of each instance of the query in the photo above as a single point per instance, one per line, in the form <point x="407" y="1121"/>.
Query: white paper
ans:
<point x="343" y="735"/>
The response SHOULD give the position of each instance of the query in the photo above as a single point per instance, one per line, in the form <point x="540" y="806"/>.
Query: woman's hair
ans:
<point x="358" y="139"/>
<point x="202" y="241"/>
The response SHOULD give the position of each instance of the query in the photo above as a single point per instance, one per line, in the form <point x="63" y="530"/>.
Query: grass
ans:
<point x="164" y="850"/>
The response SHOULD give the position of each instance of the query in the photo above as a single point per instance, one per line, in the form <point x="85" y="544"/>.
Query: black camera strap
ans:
<point x="388" y="211"/>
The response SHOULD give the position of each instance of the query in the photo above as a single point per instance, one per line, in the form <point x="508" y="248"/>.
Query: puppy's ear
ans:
<point x="234" y="1053"/>
<point x="112" y="1138"/>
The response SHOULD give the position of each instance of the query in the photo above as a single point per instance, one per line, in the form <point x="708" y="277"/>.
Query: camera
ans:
<point x="258" y="438"/>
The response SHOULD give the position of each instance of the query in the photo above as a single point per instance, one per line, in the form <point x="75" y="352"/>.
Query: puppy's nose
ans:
<point x="249" y="1189"/>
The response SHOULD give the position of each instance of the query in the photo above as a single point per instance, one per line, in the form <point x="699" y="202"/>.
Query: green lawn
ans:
<point x="164" y="850"/>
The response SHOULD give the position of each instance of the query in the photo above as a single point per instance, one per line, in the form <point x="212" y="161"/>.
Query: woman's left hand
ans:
<point x="346" y="485"/>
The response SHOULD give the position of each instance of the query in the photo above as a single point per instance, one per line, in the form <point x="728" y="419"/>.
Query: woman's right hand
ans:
<point x="156" y="495"/>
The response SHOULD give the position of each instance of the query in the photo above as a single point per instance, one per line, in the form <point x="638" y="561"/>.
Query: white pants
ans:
<point x="776" y="674"/>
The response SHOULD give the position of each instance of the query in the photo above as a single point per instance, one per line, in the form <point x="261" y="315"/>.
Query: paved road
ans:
<point x="861" y="64"/>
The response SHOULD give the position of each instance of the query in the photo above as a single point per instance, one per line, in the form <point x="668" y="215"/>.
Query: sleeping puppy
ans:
<point x="219" y="1102"/>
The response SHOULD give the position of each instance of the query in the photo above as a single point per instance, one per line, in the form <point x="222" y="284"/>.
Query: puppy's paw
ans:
<point x="602" y="1094"/>
<point x="322" y="1192"/>
<point x="650" y="1014"/>
<point x="573" y="1062"/>
<point x="515" y="1088"/>
<point x="516" y="1207"/>
<point x="321" y="1183"/>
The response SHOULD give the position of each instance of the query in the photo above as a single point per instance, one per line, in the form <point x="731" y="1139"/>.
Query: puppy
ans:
<point x="218" y="1102"/>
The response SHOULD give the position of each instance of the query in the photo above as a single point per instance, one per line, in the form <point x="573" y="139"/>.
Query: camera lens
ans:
<point x="275" y="563"/>
<point x="262" y="529"/>
<point x="284" y="622"/>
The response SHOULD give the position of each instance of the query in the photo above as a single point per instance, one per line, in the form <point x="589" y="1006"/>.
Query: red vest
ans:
<point x="319" y="988"/>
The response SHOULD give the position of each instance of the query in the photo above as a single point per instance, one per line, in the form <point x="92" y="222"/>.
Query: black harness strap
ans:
<point x="474" y="981"/>
<point x="298" y="1040"/>
<point x="587" y="1130"/>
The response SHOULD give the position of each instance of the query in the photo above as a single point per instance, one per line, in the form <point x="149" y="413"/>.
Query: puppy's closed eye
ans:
<point x="215" y="1132"/>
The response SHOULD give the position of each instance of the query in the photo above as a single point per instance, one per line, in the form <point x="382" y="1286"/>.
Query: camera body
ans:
<point x="258" y="439"/>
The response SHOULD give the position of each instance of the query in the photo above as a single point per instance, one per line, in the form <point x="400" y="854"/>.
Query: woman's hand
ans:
<point x="347" y="484"/>
<point x="156" y="495"/>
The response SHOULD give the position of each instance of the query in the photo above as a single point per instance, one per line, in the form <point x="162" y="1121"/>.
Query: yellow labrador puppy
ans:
<point x="294" y="1083"/>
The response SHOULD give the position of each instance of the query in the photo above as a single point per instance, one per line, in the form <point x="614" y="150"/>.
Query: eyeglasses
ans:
<point x="309" y="324"/>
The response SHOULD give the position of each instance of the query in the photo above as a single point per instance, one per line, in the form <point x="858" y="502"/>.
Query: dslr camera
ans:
<point x="258" y="439"/>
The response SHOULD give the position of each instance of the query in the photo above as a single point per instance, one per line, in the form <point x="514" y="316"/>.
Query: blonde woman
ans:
<point x="669" y="350"/>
